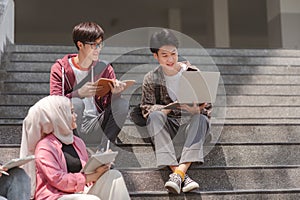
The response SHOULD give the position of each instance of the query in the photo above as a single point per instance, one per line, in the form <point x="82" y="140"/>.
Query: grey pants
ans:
<point x="173" y="141"/>
<point x="107" y="125"/>
<point x="15" y="186"/>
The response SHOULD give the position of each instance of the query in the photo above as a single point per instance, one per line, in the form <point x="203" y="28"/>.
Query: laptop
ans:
<point x="198" y="87"/>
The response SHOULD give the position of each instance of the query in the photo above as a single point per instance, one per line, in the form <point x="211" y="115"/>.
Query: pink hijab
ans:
<point x="51" y="114"/>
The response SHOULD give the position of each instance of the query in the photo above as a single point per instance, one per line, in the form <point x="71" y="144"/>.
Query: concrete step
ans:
<point x="275" y="86"/>
<point x="125" y="67"/>
<point x="184" y="51"/>
<point x="23" y="88"/>
<point x="243" y="112"/>
<point x="287" y="194"/>
<point x="29" y="67"/>
<point x="222" y="179"/>
<point x="262" y="121"/>
<point x="263" y="90"/>
<point x="143" y="156"/>
<point x="37" y="77"/>
<point x="148" y="58"/>
<point x="20" y="96"/>
<point x="230" y="134"/>
<point x="271" y="112"/>
<point x="41" y="48"/>
<point x="220" y="155"/>
<point x="287" y="93"/>
<point x="234" y="122"/>
<point x="27" y="99"/>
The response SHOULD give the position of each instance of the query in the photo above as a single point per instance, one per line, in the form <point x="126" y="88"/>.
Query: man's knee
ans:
<point x="199" y="125"/>
<point x="156" y="123"/>
<point x="200" y="119"/>
<point x="157" y="115"/>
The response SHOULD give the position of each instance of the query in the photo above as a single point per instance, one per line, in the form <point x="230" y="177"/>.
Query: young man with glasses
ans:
<point x="99" y="118"/>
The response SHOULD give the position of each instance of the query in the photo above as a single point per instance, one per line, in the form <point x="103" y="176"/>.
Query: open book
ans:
<point x="176" y="105"/>
<point x="104" y="84"/>
<point x="99" y="159"/>
<point x="17" y="162"/>
<point x="172" y="106"/>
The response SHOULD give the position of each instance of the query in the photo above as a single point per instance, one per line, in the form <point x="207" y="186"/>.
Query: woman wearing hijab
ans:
<point x="61" y="156"/>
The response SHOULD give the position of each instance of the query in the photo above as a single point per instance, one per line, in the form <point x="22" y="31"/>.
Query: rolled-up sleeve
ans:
<point x="148" y="96"/>
<point x="51" y="167"/>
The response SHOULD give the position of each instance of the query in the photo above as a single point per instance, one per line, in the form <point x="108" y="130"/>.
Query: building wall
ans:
<point x="51" y="22"/>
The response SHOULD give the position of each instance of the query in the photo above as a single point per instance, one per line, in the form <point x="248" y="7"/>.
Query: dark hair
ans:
<point x="161" y="38"/>
<point x="87" y="32"/>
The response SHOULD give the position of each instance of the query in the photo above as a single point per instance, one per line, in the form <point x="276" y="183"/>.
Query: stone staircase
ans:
<point x="257" y="155"/>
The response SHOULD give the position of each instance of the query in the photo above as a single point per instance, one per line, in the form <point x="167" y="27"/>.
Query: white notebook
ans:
<point x="99" y="159"/>
<point x="16" y="162"/>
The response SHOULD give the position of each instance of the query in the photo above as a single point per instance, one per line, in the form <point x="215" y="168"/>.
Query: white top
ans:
<point x="90" y="107"/>
<point x="172" y="84"/>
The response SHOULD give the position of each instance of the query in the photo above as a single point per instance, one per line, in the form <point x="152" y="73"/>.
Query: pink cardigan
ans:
<point x="52" y="178"/>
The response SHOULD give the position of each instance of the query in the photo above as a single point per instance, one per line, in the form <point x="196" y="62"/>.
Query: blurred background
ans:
<point x="212" y="23"/>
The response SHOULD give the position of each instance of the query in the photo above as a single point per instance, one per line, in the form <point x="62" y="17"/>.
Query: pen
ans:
<point x="4" y="172"/>
<point x="107" y="147"/>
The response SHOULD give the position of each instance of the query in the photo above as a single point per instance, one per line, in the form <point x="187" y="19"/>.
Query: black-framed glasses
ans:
<point x="95" y="45"/>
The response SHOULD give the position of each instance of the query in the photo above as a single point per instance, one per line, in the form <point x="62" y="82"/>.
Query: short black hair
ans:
<point x="87" y="32"/>
<point x="161" y="38"/>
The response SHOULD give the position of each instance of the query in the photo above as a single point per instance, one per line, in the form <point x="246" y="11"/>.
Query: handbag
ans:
<point x="137" y="117"/>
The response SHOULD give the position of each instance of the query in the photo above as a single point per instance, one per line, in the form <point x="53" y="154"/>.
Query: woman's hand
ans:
<point x="2" y="169"/>
<point x="98" y="173"/>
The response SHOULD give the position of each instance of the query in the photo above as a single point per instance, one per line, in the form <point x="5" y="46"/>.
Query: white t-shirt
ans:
<point x="90" y="107"/>
<point x="172" y="84"/>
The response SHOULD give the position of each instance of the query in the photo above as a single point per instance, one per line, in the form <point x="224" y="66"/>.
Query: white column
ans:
<point x="174" y="16"/>
<point x="6" y="23"/>
<point x="221" y="23"/>
<point x="284" y="23"/>
<point x="274" y="23"/>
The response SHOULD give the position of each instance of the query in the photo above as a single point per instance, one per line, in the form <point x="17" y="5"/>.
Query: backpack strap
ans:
<point x="100" y="66"/>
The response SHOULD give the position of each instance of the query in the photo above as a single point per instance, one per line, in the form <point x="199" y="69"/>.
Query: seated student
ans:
<point x="60" y="156"/>
<point x="73" y="76"/>
<point x="165" y="125"/>
<point x="15" y="186"/>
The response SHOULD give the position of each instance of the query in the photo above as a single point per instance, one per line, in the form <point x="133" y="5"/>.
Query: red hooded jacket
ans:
<point x="63" y="85"/>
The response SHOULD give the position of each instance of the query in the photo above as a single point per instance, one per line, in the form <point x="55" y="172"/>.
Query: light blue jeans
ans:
<point x="15" y="186"/>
